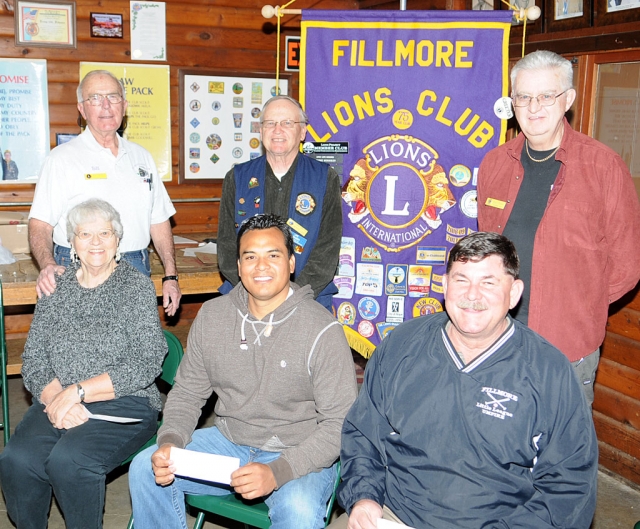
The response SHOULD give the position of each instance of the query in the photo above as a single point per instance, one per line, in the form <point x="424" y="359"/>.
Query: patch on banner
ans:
<point x="346" y="313"/>
<point x="460" y="175"/>
<point x="371" y="254"/>
<point x="365" y="328"/>
<point x="433" y="255"/>
<point x="347" y="259"/>
<point x="369" y="308"/>
<point x="419" y="281"/>
<point x="395" y="309"/>
<point x="396" y="279"/>
<point x="385" y="328"/>
<point x="469" y="204"/>
<point x="426" y="306"/>
<point x="369" y="279"/>
<point x="345" y="286"/>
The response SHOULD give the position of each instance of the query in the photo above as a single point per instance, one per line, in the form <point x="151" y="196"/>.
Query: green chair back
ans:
<point x="169" y="370"/>
<point x="251" y="513"/>
<point x="3" y="374"/>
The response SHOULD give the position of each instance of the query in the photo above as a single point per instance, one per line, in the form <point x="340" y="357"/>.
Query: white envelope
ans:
<point x="110" y="418"/>
<point x="207" y="467"/>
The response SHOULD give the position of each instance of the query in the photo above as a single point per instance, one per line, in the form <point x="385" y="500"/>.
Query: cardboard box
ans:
<point x="15" y="237"/>
<point x="13" y="217"/>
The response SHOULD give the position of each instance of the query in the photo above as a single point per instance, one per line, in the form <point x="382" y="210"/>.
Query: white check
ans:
<point x="111" y="418"/>
<point x="207" y="467"/>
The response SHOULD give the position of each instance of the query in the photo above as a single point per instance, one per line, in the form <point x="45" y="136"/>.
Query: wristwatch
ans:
<point x="80" y="392"/>
<point x="169" y="278"/>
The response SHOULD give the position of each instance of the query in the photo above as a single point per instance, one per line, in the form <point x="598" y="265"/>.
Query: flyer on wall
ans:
<point x="148" y="117"/>
<point x="24" y="118"/>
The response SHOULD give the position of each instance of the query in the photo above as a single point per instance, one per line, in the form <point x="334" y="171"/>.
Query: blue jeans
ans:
<point x="138" y="259"/>
<point x="40" y="459"/>
<point x="298" y="504"/>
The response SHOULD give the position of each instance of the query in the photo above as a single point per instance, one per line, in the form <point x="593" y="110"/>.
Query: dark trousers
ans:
<point x="72" y="463"/>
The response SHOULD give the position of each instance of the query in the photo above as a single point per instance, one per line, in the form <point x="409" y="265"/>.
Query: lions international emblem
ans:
<point x="397" y="192"/>
<point x="305" y="204"/>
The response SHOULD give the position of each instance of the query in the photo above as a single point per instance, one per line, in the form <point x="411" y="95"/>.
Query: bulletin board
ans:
<point x="220" y="120"/>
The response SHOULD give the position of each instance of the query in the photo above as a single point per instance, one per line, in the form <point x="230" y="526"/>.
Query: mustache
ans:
<point x="473" y="305"/>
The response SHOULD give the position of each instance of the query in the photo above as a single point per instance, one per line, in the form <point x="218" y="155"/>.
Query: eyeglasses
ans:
<point x="104" y="235"/>
<point x="285" y="124"/>
<point x="544" y="100"/>
<point x="96" y="99"/>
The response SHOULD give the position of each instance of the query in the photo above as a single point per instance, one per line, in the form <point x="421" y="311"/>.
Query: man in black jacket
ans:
<point x="468" y="418"/>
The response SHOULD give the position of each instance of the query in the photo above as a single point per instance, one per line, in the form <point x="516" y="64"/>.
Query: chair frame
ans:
<point x="169" y="368"/>
<point x="253" y="513"/>
<point x="6" y="430"/>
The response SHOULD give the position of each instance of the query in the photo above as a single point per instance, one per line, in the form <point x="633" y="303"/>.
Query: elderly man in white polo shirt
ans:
<point x="100" y="163"/>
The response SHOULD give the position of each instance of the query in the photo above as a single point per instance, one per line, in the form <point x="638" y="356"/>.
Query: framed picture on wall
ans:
<point x="482" y="5"/>
<point x="62" y="137"/>
<point x="106" y="25"/>
<point x="562" y="15"/>
<point x="220" y="120"/>
<point x="51" y="24"/>
<point x="517" y="26"/>
<point x="616" y="11"/>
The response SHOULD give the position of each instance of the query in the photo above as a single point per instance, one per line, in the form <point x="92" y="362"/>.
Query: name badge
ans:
<point x="95" y="176"/>
<point x="295" y="226"/>
<point x="495" y="203"/>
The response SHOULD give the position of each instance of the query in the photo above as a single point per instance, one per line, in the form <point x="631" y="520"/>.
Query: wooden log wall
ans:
<point x="212" y="34"/>
<point x="223" y="35"/>
<point x="220" y="35"/>
<point x="616" y="408"/>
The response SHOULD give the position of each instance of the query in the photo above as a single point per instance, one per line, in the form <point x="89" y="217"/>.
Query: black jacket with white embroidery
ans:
<point x="505" y="441"/>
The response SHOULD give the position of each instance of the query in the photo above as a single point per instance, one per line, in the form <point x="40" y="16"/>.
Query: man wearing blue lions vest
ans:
<point x="286" y="183"/>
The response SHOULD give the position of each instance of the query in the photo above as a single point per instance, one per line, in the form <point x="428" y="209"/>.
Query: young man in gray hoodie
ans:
<point x="283" y="374"/>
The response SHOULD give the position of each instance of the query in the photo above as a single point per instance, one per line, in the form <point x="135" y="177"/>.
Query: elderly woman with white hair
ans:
<point x="95" y="346"/>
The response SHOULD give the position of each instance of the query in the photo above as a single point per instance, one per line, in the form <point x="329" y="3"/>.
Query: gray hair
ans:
<point x="544" y="60"/>
<point x="92" y="73"/>
<point x="303" y="115"/>
<point x="90" y="210"/>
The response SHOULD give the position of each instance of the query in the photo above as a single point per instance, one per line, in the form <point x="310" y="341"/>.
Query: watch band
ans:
<point x="80" y="392"/>
<point x="169" y="278"/>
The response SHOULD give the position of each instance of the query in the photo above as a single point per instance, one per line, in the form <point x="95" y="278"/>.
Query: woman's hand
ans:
<point x="58" y="408"/>
<point x="76" y="416"/>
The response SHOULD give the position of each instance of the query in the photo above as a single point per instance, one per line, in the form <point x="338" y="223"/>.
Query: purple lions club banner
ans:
<point x="401" y="103"/>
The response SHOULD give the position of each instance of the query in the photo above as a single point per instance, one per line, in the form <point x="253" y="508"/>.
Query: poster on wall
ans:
<point x="407" y="101"/>
<point x="617" y="122"/>
<point x="148" y="115"/>
<point x="220" y="120"/>
<point x="148" y="31"/>
<point x="24" y="118"/>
